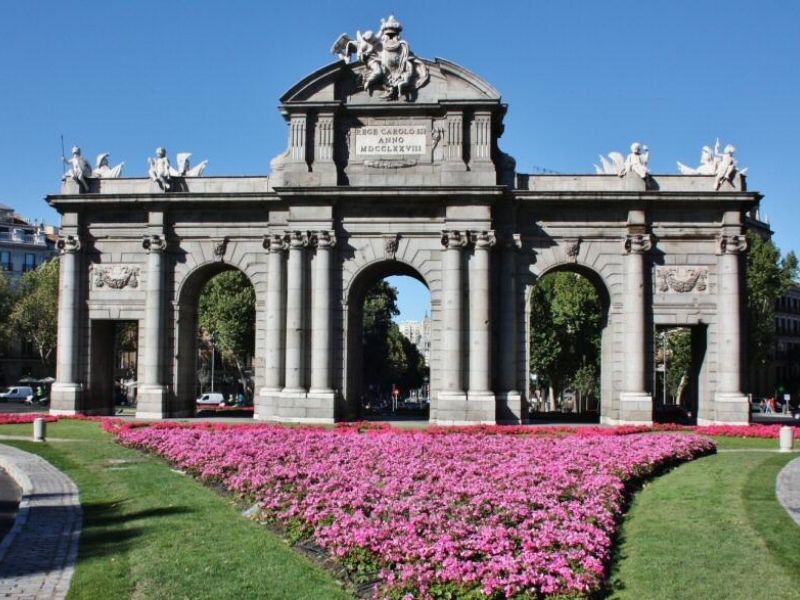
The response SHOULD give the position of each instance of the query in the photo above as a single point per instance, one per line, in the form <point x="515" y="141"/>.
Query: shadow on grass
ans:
<point x="42" y="545"/>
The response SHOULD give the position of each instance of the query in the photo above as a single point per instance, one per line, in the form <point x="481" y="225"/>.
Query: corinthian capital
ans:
<point x="731" y="243"/>
<point x="323" y="239"/>
<point x="154" y="243"/>
<point x="452" y="238"/>
<point x="637" y="243"/>
<point x="68" y="244"/>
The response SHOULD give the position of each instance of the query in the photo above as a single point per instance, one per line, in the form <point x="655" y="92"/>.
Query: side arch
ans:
<point x="608" y="283"/>
<point x="189" y="284"/>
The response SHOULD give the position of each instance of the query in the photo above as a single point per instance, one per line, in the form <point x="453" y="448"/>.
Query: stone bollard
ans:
<point x="39" y="429"/>
<point x="787" y="439"/>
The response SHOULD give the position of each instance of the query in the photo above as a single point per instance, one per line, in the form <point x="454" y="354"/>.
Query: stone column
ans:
<point x="452" y="326"/>
<point x="295" y="319"/>
<point x="730" y="405"/>
<point x="152" y="395"/>
<point x="635" y="402"/>
<point x="321" y="315"/>
<point x="510" y="409"/>
<point x="480" y="332"/>
<point x="65" y="394"/>
<point x="275" y="318"/>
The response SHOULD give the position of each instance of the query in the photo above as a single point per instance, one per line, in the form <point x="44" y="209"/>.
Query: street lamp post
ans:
<point x="213" y="356"/>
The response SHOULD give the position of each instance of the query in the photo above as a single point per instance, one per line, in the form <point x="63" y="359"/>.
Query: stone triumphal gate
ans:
<point x="393" y="167"/>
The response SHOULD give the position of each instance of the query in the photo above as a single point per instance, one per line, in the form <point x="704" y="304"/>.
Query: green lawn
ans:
<point x="150" y="532"/>
<point x="711" y="529"/>
<point x="708" y="529"/>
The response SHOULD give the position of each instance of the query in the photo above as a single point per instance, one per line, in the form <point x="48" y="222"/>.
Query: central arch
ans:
<point x="354" y="350"/>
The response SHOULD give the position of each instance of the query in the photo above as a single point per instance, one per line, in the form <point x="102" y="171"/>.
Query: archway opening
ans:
<point x="113" y="365"/>
<point x="677" y="360"/>
<point x="217" y="344"/>
<point x="568" y="315"/>
<point x="390" y="337"/>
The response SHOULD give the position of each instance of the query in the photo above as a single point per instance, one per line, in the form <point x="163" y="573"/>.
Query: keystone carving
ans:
<point x="390" y="245"/>
<point x="681" y="279"/>
<point x="220" y="247"/>
<point x="572" y="248"/>
<point x="116" y="276"/>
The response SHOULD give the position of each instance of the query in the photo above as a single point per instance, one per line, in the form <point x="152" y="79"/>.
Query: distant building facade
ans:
<point x="23" y="247"/>
<point x="419" y="334"/>
<point x="787" y="350"/>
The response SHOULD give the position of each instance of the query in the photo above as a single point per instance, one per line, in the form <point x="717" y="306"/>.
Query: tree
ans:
<point x="389" y="357"/>
<point x="35" y="314"/>
<point x="767" y="279"/>
<point x="566" y="323"/>
<point x="674" y="352"/>
<point x="227" y="309"/>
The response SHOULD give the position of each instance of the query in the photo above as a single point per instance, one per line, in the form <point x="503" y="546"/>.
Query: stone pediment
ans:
<point x="343" y="130"/>
<point x="342" y="83"/>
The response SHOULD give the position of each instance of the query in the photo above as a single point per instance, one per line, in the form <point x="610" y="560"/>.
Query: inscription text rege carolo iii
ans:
<point x="390" y="140"/>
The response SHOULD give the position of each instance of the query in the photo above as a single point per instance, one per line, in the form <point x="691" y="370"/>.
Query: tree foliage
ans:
<point x="34" y="317"/>
<point x="227" y="310"/>
<point x="389" y="357"/>
<point x="566" y="323"/>
<point x="674" y="347"/>
<point x="767" y="278"/>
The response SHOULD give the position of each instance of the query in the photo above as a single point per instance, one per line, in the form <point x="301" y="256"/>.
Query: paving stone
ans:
<point x="37" y="557"/>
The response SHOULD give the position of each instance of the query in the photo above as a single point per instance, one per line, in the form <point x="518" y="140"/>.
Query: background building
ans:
<point x="787" y="351"/>
<point x="23" y="247"/>
<point x="419" y="334"/>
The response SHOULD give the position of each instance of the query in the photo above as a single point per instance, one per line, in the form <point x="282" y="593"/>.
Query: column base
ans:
<point x="151" y="402"/>
<point x="296" y="406"/>
<point x="459" y="408"/>
<point x="635" y="408"/>
<point x="729" y="409"/>
<point x="65" y="399"/>
<point x="511" y="408"/>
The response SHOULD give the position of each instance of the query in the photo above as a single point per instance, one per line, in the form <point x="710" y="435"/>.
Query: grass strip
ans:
<point x="712" y="528"/>
<point x="150" y="532"/>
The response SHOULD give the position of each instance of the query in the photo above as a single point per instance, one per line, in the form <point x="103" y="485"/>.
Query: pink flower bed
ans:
<point x="433" y="515"/>
<point x="17" y="418"/>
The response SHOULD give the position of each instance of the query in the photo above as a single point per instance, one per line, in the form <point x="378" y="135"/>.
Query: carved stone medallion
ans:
<point x="115" y="276"/>
<point x="681" y="280"/>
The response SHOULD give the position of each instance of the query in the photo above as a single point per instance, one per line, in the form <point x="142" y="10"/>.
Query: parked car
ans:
<point x="18" y="393"/>
<point x="210" y="399"/>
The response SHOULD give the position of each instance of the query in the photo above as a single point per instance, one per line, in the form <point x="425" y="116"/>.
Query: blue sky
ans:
<point x="580" y="78"/>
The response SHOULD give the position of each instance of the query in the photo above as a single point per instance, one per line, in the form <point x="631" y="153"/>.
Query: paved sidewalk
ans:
<point x="37" y="557"/>
<point x="787" y="489"/>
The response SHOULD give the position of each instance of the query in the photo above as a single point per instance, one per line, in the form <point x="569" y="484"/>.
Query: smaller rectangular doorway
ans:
<point x="113" y="365"/>
<point x="678" y="357"/>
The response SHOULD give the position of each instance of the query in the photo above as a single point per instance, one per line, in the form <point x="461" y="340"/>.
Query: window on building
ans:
<point x="5" y="260"/>
<point x="30" y="262"/>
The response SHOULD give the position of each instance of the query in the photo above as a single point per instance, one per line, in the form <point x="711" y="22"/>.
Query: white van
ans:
<point x="18" y="393"/>
<point x="210" y="399"/>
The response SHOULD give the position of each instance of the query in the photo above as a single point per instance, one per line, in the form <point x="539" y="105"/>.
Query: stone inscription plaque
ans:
<point x="390" y="140"/>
